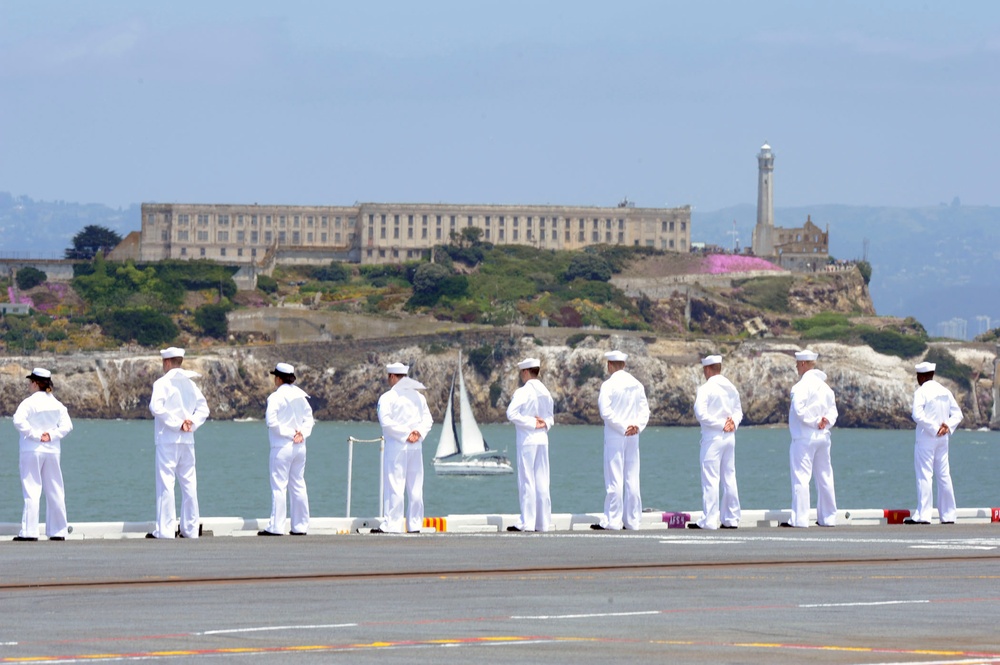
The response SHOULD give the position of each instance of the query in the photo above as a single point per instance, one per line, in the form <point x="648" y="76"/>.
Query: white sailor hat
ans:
<point x="528" y="363"/>
<point x="711" y="360"/>
<point x="806" y="355"/>
<point x="172" y="352"/>
<point x="397" y="368"/>
<point x="39" y="373"/>
<point x="283" y="369"/>
<point x="616" y="356"/>
<point x="925" y="367"/>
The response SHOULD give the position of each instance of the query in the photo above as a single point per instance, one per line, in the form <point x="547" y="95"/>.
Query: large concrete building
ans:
<point x="392" y="232"/>
<point x="801" y="249"/>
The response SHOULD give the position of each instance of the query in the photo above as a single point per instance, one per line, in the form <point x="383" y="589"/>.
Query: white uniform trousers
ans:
<point x="622" y="504"/>
<point x="176" y="461"/>
<point x="809" y="458"/>
<point x="41" y="470"/>
<point x="930" y="458"/>
<point x="403" y="471"/>
<point x="288" y="467"/>
<point x="718" y="458"/>
<point x="533" y="487"/>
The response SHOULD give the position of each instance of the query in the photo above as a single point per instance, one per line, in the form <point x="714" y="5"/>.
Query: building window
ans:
<point x="595" y="236"/>
<point x="296" y="237"/>
<point x="671" y="243"/>
<point x="239" y="220"/>
<point x="453" y="221"/>
<point x="607" y="236"/>
<point x="514" y="237"/>
<point x="581" y="225"/>
<point x="184" y="251"/>
<point x="222" y="236"/>
<point x="268" y="237"/>
<point x="487" y="236"/>
<point x="324" y="224"/>
<point x="322" y="238"/>
<point x="254" y="237"/>
<point x="423" y="233"/>
<point x="201" y="251"/>
<point x="382" y="234"/>
<point x="202" y="236"/>
<point x="309" y="236"/>
<point x="409" y="233"/>
<point x="567" y="235"/>
<point x="295" y="222"/>
<point x="223" y="220"/>
<point x="684" y="226"/>
<point x="267" y="220"/>
<point x="253" y="251"/>
<point x="580" y="237"/>
<point x="281" y="222"/>
<point x="239" y="251"/>
<point x="241" y="236"/>
<point x="182" y="235"/>
<point x="395" y="233"/>
<point x="336" y="237"/>
<point x="501" y="235"/>
<point x="621" y="237"/>
<point x="438" y="232"/>
<point x="182" y="220"/>
<point x="253" y="220"/>
<point x="202" y="220"/>
<point x="621" y="224"/>
<point x="541" y="234"/>
<point x="222" y="251"/>
<point x="282" y="238"/>
<point x="310" y="222"/>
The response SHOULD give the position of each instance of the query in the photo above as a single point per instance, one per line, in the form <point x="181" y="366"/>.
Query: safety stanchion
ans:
<point x="350" y="469"/>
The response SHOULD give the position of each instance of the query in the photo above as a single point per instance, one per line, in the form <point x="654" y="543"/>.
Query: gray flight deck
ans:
<point x="891" y="594"/>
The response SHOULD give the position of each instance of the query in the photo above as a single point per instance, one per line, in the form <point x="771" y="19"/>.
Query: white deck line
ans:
<point x="482" y="523"/>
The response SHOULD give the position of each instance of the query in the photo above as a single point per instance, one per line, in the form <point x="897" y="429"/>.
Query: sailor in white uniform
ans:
<point x="42" y="422"/>
<point x="289" y="421"/>
<point x="717" y="408"/>
<point x="178" y="409"/>
<point x="405" y="420"/>
<point x="623" y="406"/>
<point x="811" y="416"/>
<point x="936" y="414"/>
<point x="531" y="412"/>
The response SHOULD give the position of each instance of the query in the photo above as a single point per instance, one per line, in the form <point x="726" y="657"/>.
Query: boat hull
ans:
<point x="473" y="466"/>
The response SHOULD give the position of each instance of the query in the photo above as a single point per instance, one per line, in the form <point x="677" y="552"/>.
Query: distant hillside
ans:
<point x="44" y="229"/>
<point x="931" y="263"/>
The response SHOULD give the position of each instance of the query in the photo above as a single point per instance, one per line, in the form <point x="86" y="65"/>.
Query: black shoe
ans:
<point x="149" y="535"/>
<point x="693" y="525"/>
<point x="24" y="539"/>
<point x="265" y="532"/>
<point x="376" y="530"/>
<point x="297" y="533"/>
<point x="513" y="528"/>
<point x="787" y="524"/>
<point x="598" y="527"/>
<point x="726" y="526"/>
<point x="910" y="520"/>
<point x="947" y="522"/>
<point x="57" y="537"/>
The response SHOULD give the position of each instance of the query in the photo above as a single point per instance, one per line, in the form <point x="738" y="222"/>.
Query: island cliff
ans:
<point x="345" y="377"/>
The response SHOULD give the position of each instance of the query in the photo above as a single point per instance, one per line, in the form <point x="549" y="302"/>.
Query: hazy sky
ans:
<point x="877" y="103"/>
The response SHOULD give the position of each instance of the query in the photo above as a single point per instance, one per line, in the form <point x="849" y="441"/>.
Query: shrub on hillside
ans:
<point x="29" y="277"/>
<point x="212" y="320"/>
<point x="146" y="326"/>
<point x="892" y="343"/>
<point x="267" y="284"/>
<point x="589" y="267"/>
<point x="335" y="272"/>
<point x="770" y="293"/>
<point x="949" y="367"/>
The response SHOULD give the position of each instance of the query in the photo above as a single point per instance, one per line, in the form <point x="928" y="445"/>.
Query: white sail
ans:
<point x="447" y="444"/>
<point x="472" y="439"/>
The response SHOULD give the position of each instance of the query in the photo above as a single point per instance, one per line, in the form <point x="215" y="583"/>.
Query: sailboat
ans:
<point x="470" y="455"/>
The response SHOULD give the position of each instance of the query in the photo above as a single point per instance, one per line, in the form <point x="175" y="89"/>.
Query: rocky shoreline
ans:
<point x="345" y="378"/>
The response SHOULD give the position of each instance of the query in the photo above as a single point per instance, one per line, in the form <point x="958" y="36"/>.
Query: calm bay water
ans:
<point x="108" y="470"/>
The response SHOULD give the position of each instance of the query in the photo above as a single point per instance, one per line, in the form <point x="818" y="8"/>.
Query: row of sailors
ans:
<point x="179" y="408"/>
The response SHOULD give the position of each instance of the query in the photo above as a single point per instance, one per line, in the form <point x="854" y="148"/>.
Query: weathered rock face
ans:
<point x="345" y="380"/>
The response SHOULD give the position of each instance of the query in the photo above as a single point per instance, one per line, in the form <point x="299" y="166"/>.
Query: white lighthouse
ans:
<point x="763" y="232"/>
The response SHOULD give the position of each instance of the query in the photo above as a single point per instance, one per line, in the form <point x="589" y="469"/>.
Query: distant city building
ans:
<point x="801" y="249"/>
<point x="392" y="232"/>
<point x="984" y="324"/>
<point x="955" y="328"/>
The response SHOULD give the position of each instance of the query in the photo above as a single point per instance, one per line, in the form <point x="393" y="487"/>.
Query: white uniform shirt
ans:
<point x="717" y="400"/>
<point x="812" y="400"/>
<point x="39" y="413"/>
<point x="933" y="404"/>
<point x="402" y="410"/>
<point x="288" y="411"/>
<point x="528" y="402"/>
<point x="622" y="402"/>
<point x="175" y="399"/>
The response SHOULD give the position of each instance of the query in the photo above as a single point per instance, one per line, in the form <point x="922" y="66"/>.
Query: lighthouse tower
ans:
<point x="763" y="232"/>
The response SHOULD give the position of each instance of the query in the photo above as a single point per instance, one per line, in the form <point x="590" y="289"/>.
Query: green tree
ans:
<point x="93" y="239"/>
<point x="335" y="272"/>
<point x="212" y="320"/>
<point x="29" y="277"/>
<point x="146" y="326"/>
<point x="588" y="266"/>
<point x="865" y="269"/>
